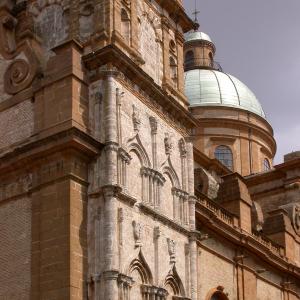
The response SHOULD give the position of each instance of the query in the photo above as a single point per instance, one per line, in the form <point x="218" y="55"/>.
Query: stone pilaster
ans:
<point x="166" y="41"/>
<point x="180" y="60"/>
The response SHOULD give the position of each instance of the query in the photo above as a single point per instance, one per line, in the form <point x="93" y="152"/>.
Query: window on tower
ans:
<point x="266" y="165"/>
<point x="189" y="59"/>
<point x="224" y="155"/>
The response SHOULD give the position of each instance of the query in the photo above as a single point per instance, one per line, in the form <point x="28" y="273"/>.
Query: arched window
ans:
<point x="224" y="155"/>
<point x="211" y="59"/>
<point x="125" y="25"/>
<point x="266" y="165"/>
<point x="189" y="59"/>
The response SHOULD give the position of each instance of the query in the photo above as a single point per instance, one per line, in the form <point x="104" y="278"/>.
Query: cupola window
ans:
<point x="224" y="155"/>
<point x="189" y="59"/>
<point x="266" y="165"/>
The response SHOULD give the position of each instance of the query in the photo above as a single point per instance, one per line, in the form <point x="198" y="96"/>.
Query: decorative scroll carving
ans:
<point x="21" y="72"/>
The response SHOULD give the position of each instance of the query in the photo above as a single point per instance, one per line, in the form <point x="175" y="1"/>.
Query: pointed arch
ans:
<point x="174" y="282"/>
<point x="167" y="168"/>
<point x="140" y="265"/>
<point x="135" y="145"/>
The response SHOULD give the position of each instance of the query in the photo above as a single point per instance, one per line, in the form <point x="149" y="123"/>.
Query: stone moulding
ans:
<point x="164" y="219"/>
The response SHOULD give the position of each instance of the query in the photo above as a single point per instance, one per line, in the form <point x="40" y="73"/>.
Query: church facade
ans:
<point x="133" y="167"/>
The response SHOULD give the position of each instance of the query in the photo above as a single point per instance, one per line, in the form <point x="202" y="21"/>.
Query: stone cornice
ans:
<point x="164" y="219"/>
<point x="71" y="138"/>
<point x="257" y="244"/>
<point x="113" y="55"/>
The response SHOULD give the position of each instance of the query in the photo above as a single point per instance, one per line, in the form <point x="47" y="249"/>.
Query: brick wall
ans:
<point x="15" y="249"/>
<point x="16" y="124"/>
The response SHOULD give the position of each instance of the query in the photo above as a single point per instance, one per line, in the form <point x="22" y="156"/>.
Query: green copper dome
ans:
<point x="205" y="87"/>
<point x="197" y="35"/>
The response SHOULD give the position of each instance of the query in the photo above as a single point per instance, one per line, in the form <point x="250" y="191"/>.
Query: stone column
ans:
<point x="110" y="214"/>
<point x="193" y="267"/>
<point x="110" y="244"/>
<point x="156" y="237"/>
<point x="110" y="123"/>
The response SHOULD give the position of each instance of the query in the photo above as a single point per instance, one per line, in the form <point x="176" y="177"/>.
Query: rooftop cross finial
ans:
<point x="196" y="13"/>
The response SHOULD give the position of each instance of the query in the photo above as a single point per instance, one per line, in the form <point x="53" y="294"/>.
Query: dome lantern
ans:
<point x="199" y="51"/>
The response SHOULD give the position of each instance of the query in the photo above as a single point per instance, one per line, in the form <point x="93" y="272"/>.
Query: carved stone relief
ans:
<point x="21" y="52"/>
<point x="137" y="232"/>
<point x="172" y="250"/>
<point x="169" y="145"/>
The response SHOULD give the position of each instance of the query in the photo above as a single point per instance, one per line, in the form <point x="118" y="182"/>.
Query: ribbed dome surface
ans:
<point x="213" y="88"/>
<point x="197" y="35"/>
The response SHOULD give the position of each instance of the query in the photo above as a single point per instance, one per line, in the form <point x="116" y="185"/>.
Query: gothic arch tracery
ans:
<point x="173" y="284"/>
